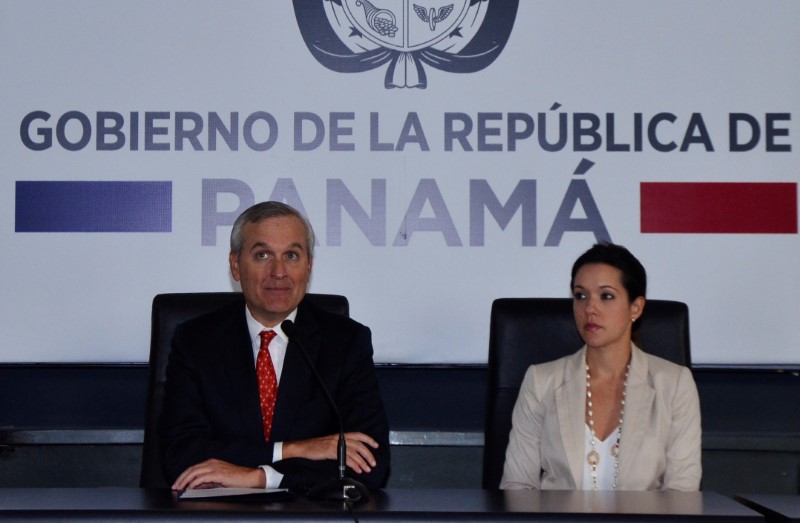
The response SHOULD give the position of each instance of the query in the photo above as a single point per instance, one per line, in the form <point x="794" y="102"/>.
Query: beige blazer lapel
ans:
<point x="571" y="408"/>
<point x="639" y="400"/>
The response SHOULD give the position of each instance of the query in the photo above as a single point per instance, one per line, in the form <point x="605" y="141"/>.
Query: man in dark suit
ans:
<point x="215" y="427"/>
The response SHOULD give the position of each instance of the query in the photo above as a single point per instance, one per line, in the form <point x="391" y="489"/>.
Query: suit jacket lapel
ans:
<point x="296" y="377"/>
<point x="239" y="365"/>
<point x="571" y="406"/>
<point x="639" y="400"/>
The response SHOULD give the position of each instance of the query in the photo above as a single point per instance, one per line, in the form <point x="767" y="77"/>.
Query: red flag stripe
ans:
<point x="761" y="208"/>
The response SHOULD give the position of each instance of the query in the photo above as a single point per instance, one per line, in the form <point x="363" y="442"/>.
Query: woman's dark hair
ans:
<point x="634" y="277"/>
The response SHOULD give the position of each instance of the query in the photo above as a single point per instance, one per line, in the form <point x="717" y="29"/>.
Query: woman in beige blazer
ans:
<point x="609" y="416"/>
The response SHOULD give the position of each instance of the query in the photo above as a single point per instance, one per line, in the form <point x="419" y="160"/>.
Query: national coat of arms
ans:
<point x="459" y="36"/>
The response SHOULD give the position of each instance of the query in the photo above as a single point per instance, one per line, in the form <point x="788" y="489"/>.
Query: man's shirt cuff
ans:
<point x="273" y="477"/>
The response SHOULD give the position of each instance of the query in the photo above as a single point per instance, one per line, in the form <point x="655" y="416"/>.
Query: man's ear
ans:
<point x="233" y="261"/>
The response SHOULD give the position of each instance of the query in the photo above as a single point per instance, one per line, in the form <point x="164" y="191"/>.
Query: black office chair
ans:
<point x="527" y="331"/>
<point x="168" y="311"/>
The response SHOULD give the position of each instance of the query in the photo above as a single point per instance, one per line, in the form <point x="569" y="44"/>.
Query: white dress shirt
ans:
<point x="277" y="351"/>
<point x="605" y="468"/>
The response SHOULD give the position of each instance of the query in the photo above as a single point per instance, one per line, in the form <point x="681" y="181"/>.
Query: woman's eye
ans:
<point x="607" y="296"/>
<point x="579" y="296"/>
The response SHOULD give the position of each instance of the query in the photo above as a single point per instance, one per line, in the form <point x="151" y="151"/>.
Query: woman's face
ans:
<point x="603" y="311"/>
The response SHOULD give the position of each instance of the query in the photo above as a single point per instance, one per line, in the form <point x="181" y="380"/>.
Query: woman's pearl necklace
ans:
<point x="593" y="457"/>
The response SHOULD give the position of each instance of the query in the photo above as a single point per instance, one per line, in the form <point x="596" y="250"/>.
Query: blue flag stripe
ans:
<point x="77" y="206"/>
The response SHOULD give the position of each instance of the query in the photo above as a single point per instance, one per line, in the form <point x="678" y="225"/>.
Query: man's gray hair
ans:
<point x="262" y="211"/>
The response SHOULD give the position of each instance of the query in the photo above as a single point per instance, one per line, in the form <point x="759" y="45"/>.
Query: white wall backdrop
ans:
<point x="397" y="185"/>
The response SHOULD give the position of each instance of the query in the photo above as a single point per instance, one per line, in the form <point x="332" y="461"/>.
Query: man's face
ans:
<point x="274" y="267"/>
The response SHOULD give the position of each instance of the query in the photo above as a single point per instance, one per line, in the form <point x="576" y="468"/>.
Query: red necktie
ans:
<point x="267" y="381"/>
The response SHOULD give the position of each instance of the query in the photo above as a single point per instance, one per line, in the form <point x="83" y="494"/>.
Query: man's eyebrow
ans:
<point x="262" y="245"/>
<point x="258" y="245"/>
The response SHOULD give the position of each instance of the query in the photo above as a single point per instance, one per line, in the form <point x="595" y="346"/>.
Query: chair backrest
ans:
<point x="528" y="331"/>
<point x="169" y="310"/>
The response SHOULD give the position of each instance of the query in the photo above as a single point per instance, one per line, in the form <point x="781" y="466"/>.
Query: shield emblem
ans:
<point x="406" y="25"/>
<point x="349" y="36"/>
